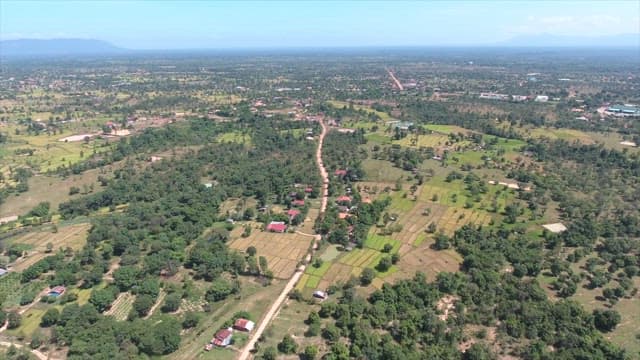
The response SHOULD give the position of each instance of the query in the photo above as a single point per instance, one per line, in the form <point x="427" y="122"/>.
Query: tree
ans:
<point x="287" y="345"/>
<point x="142" y="304"/>
<point x="270" y="353"/>
<point x="171" y="302"/>
<point x="251" y="251"/>
<point x="605" y="320"/>
<point x="219" y="290"/>
<point x="101" y="299"/>
<point x="191" y="320"/>
<point x="14" y="320"/>
<point x="310" y="352"/>
<point x="442" y="242"/>
<point x="384" y="264"/>
<point x="367" y="276"/>
<point x="478" y="352"/>
<point x="387" y="248"/>
<point x="50" y="317"/>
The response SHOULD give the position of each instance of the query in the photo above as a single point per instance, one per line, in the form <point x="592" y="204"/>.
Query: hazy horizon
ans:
<point x="171" y="25"/>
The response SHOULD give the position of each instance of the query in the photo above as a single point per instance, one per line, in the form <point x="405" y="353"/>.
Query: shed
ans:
<point x="320" y="294"/>
<point x="57" y="291"/>
<point x="244" y="325"/>
<point x="277" y="226"/>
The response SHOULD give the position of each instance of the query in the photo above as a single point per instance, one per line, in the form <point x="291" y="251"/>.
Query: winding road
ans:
<point x="275" y="307"/>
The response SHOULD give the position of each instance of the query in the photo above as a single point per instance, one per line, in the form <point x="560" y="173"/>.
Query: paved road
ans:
<point x="275" y="307"/>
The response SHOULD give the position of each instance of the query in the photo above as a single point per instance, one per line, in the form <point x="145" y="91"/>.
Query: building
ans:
<point x="320" y="294"/>
<point x="56" y="291"/>
<point x="244" y="325"/>
<point x="277" y="226"/>
<point x="541" y="98"/>
<point x="3" y="272"/>
<point x="222" y="338"/>
<point x="293" y="213"/>
<point x="519" y="98"/>
<point x="494" y="96"/>
<point x="623" y="110"/>
<point x="343" y="199"/>
<point x="297" y="203"/>
<point x="340" y="172"/>
<point x="555" y="228"/>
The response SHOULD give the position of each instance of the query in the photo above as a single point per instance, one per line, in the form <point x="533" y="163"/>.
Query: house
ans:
<point x="277" y="226"/>
<point x="293" y="213"/>
<point x="320" y="294"/>
<point x="3" y="272"/>
<point x="308" y="190"/>
<point x="343" y="199"/>
<point x="56" y="291"/>
<point x="541" y="98"/>
<point x="340" y="172"/>
<point x="343" y="215"/>
<point x="297" y="203"/>
<point x="623" y="110"/>
<point x="222" y="338"/>
<point x="244" y="325"/>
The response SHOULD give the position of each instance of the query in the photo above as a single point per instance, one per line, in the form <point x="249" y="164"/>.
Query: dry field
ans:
<point x="283" y="251"/>
<point x="121" y="306"/>
<point x="73" y="236"/>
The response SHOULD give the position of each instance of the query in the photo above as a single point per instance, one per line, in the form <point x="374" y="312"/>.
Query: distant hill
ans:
<point x="548" y="40"/>
<point x="56" y="47"/>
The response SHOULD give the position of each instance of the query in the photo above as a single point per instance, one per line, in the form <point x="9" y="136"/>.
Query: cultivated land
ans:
<point x="437" y="161"/>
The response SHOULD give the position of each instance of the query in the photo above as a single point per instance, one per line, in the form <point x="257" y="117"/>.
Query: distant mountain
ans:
<point x="56" y="47"/>
<point x="548" y="40"/>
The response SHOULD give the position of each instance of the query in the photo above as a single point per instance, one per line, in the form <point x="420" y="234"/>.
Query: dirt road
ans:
<point x="37" y="353"/>
<point x="395" y="80"/>
<point x="275" y="307"/>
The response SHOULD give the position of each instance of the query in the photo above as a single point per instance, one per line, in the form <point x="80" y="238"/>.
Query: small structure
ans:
<point x="555" y="228"/>
<point x="308" y="189"/>
<point x="541" y="98"/>
<point x="297" y="203"/>
<point x="222" y="338"/>
<point x="343" y="215"/>
<point x="293" y="213"/>
<point x="155" y="159"/>
<point x="277" y="226"/>
<point x="244" y="325"/>
<point x="57" y="291"/>
<point x="340" y="172"/>
<point x="320" y="294"/>
<point x="343" y="199"/>
<point x="3" y="271"/>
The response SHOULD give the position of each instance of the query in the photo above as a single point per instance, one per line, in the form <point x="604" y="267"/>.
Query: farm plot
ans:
<point x="426" y="260"/>
<point x="283" y="251"/>
<point x="72" y="236"/>
<point x="417" y="220"/>
<point x="121" y="306"/>
<point x="434" y="140"/>
<point x="454" y="218"/>
<point x="377" y="242"/>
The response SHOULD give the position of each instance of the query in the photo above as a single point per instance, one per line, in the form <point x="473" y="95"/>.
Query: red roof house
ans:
<point x="343" y="215"/>
<point x="308" y="190"/>
<point x="297" y="203"/>
<point x="343" y="199"/>
<point x="340" y="172"/>
<point x="244" y="325"/>
<point x="293" y="213"/>
<point x="277" y="226"/>
<point x="57" y="291"/>
<point x="222" y="338"/>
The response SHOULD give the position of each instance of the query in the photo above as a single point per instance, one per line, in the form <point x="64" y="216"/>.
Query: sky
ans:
<point x="241" y="24"/>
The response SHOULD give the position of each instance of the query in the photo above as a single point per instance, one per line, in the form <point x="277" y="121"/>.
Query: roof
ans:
<point x="555" y="228"/>
<point x="277" y="226"/>
<point x="293" y="212"/>
<point x="58" y="289"/>
<point x="223" y="334"/>
<point x="343" y="215"/>
<point x="340" y="172"/>
<point x="298" y="202"/>
<point x="3" y="271"/>
<point x="244" y="324"/>
<point x="343" y="198"/>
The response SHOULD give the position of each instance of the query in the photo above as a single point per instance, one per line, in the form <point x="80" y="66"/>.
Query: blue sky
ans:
<point x="208" y="24"/>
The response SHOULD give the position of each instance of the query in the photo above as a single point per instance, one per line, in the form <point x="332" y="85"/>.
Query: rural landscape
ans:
<point x="333" y="203"/>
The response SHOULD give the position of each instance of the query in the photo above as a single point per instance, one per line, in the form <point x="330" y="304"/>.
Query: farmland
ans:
<point x="283" y="251"/>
